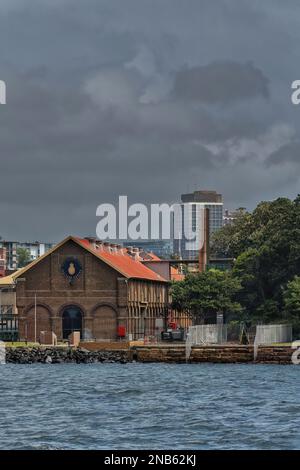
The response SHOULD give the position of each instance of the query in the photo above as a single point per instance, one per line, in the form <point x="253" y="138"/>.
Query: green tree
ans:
<point x="206" y="294"/>
<point x="266" y="245"/>
<point x="247" y="270"/>
<point x="229" y="240"/>
<point x="23" y="257"/>
<point x="292" y="298"/>
<point x="270" y="222"/>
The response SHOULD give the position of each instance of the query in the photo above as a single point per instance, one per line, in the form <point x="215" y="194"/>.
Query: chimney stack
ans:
<point x="99" y="245"/>
<point x="135" y="252"/>
<point x="106" y="246"/>
<point x="92" y="241"/>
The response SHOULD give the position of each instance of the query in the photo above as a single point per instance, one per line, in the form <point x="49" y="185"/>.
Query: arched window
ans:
<point x="71" y="320"/>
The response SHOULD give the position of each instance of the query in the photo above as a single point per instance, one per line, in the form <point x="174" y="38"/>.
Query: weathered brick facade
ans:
<point x="103" y="296"/>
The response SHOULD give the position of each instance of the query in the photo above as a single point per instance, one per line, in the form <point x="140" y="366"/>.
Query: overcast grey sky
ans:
<point x="145" y="98"/>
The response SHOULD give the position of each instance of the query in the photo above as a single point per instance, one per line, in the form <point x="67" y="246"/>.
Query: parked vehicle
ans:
<point x="173" y="334"/>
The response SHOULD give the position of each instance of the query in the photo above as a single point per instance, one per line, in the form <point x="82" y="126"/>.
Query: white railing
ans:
<point x="204" y="334"/>
<point x="270" y="334"/>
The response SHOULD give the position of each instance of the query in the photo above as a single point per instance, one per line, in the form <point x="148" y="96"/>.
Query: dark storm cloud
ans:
<point x="289" y="153"/>
<point x="221" y="82"/>
<point x="147" y="99"/>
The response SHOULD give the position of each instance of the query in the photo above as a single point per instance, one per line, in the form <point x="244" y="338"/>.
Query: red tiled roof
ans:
<point x="122" y="262"/>
<point x="176" y="275"/>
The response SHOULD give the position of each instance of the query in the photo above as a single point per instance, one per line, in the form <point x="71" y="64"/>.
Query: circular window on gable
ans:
<point x="71" y="268"/>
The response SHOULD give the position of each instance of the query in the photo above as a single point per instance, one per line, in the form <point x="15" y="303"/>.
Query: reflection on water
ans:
<point x="149" y="406"/>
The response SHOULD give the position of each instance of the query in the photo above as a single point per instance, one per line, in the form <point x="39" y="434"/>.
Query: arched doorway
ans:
<point x="36" y="321"/>
<point x="71" y="320"/>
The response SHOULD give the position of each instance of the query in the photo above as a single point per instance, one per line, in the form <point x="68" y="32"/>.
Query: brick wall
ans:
<point x="95" y="292"/>
<point x="100" y="292"/>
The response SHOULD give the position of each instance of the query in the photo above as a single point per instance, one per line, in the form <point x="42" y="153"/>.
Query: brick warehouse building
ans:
<point x="100" y="289"/>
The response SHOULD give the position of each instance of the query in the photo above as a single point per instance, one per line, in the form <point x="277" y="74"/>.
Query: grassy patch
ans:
<point x="23" y="344"/>
<point x="19" y="344"/>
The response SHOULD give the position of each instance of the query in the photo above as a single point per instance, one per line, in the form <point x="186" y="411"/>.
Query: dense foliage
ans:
<point x="264" y="284"/>
<point x="207" y="294"/>
<point x="266" y="248"/>
<point x="292" y="298"/>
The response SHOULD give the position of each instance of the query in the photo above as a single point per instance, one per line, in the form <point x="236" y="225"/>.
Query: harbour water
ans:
<point x="149" y="406"/>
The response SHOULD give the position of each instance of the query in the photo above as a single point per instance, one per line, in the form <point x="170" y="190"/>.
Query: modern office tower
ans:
<point x="194" y="219"/>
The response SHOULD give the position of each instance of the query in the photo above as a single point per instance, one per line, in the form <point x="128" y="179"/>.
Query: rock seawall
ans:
<point x="275" y="355"/>
<point x="223" y="354"/>
<point x="56" y="355"/>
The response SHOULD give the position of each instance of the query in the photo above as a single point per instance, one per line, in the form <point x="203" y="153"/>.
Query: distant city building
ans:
<point x="230" y="216"/>
<point x="209" y="200"/>
<point x="194" y="216"/>
<point x="2" y="262"/>
<point x="161" y="248"/>
<point x="202" y="196"/>
<point x="11" y="253"/>
<point x="35" y="249"/>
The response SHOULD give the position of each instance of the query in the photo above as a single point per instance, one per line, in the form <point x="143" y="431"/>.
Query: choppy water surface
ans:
<point x="149" y="406"/>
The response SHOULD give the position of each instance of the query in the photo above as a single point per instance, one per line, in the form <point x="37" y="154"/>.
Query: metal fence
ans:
<point x="270" y="334"/>
<point x="205" y="334"/>
<point x="9" y="327"/>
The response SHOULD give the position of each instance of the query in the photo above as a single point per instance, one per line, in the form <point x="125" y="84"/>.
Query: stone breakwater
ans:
<point x="224" y="354"/>
<point x="56" y="355"/>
